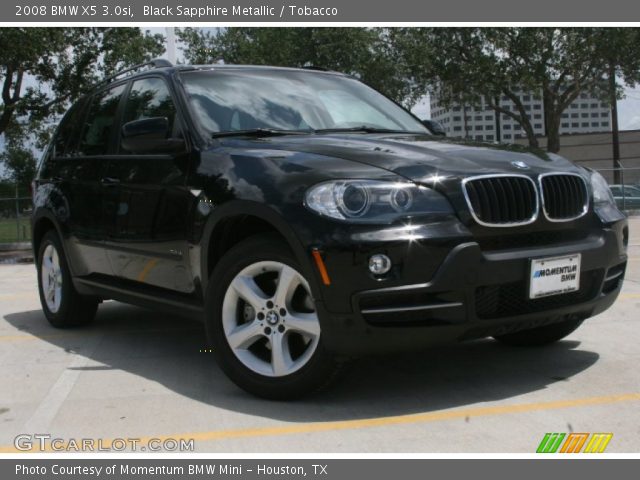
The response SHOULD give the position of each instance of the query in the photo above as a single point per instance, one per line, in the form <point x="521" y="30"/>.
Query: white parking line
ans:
<point x="42" y="417"/>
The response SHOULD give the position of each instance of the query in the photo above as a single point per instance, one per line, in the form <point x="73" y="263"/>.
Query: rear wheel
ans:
<point x="61" y="303"/>
<point x="541" y="335"/>
<point x="262" y="322"/>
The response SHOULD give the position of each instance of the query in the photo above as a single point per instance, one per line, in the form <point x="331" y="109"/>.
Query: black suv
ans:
<point x="309" y="219"/>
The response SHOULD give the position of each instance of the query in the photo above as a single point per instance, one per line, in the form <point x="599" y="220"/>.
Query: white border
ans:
<point x="303" y="456"/>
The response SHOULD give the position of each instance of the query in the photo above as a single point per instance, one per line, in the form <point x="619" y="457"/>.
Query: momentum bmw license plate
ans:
<point x="554" y="276"/>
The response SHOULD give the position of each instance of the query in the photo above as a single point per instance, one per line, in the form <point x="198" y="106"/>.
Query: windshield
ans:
<point x="289" y="100"/>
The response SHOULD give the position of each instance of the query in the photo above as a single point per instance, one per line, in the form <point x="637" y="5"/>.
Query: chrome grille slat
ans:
<point x="504" y="200"/>
<point x="564" y="196"/>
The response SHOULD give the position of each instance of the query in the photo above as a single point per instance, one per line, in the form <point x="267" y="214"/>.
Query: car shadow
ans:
<point x="170" y="350"/>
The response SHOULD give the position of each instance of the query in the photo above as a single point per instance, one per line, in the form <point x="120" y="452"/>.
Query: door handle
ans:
<point x="107" y="181"/>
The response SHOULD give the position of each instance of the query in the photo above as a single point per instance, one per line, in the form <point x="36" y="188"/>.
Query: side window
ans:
<point x="68" y="131"/>
<point x="150" y="98"/>
<point x="98" y="129"/>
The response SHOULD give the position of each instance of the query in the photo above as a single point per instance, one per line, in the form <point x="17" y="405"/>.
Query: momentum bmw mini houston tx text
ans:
<point x="308" y="219"/>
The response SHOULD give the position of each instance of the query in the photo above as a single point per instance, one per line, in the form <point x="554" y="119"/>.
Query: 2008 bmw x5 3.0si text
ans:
<point x="309" y="219"/>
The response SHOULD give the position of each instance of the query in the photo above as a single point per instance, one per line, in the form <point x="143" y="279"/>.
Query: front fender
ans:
<point x="265" y="213"/>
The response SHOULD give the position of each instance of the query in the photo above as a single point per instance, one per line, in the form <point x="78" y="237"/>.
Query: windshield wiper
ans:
<point x="363" y="129"/>
<point x="259" y="132"/>
<point x="272" y="132"/>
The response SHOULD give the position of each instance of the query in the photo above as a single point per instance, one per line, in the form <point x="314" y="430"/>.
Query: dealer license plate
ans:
<point x="554" y="276"/>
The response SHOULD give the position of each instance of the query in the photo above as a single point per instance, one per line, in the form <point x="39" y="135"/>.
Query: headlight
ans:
<point x="603" y="201"/>
<point x="601" y="192"/>
<point x="372" y="201"/>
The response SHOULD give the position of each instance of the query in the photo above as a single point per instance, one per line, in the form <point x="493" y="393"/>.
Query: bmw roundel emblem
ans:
<point x="520" y="164"/>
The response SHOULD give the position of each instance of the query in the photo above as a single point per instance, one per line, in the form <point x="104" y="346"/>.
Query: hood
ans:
<point x="419" y="157"/>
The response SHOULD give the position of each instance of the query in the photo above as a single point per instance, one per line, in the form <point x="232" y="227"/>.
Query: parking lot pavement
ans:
<point x="141" y="374"/>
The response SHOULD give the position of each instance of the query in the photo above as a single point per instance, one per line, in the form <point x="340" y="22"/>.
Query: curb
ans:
<point x="17" y="246"/>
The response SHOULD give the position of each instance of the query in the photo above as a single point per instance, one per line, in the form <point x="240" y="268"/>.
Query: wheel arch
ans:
<point x="233" y="223"/>
<point x="42" y="222"/>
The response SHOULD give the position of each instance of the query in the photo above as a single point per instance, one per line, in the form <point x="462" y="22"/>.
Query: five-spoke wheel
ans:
<point x="51" y="277"/>
<point x="261" y="319"/>
<point x="269" y="318"/>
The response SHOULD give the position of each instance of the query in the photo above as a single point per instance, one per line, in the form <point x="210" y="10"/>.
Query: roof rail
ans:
<point x="155" y="63"/>
<point x="161" y="63"/>
<point x="314" y="67"/>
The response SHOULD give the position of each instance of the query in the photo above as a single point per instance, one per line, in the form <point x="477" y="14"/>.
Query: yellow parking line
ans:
<point x="462" y="413"/>
<point x="628" y="296"/>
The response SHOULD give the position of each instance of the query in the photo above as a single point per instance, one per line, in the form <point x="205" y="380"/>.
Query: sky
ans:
<point x="629" y="110"/>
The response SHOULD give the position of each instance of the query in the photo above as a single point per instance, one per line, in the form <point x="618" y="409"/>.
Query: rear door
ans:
<point x="147" y="241"/>
<point x="80" y="153"/>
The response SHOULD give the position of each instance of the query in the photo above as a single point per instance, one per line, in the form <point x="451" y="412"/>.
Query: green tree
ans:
<point x="370" y="54"/>
<point x="17" y="159"/>
<point x="556" y="63"/>
<point x="43" y="69"/>
<point x="620" y="50"/>
<point x="20" y="164"/>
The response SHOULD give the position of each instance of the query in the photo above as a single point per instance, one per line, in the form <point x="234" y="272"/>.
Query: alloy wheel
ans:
<point x="269" y="319"/>
<point x="51" y="276"/>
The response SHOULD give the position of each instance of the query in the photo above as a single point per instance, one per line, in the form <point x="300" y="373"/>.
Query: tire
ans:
<point x="539" y="336"/>
<point x="62" y="305"/>
<point x="245" y="308"/>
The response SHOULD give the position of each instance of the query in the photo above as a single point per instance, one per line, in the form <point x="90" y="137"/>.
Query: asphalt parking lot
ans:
<point x="141" y="374"/>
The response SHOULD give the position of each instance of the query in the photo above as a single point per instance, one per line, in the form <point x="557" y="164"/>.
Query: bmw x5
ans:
<point x="308" y="219"/>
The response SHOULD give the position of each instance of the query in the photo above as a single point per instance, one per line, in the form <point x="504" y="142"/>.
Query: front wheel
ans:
<point x="541" y="335"/>
<point x="261" y="320"/>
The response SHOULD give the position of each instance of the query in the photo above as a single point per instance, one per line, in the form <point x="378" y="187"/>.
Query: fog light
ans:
<point x="379" y="264"/>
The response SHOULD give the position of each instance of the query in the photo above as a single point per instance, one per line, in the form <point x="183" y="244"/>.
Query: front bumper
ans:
<point x="473" y="294"/>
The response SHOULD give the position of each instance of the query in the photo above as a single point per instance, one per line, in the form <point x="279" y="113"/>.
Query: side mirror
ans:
<point x="435" y="127"/>
<point x="149" y="135"/>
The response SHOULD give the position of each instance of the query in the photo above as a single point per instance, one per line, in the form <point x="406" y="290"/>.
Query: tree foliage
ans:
<point x="556" y="63"/>
<point x="43" y="69"/>
<point x="20" y="164"/>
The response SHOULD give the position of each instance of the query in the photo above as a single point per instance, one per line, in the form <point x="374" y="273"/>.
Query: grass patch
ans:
<point x="12" y="231"/>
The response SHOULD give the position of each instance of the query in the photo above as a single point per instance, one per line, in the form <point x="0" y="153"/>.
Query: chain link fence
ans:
<point x="15" y="215"/>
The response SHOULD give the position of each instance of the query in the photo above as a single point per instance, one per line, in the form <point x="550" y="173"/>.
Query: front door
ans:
<point x="147" y="241"/>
